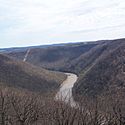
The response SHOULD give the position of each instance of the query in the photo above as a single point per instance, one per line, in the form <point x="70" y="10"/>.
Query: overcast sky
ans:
<point x="38" y="22"/>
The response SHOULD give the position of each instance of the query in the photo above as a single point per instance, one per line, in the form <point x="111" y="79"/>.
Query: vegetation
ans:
<point x="24" y="108"/>
<point x="105" y="73"/>
<point x="22" y="75"/>
<point x="54" y="58"/>
<point x="99" y="91"/>
<point x="99" y="65"/>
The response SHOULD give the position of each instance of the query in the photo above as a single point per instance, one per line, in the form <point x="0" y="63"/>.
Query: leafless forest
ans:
<point x="24" y="108"/>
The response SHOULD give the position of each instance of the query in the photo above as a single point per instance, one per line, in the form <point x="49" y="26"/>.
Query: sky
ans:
<point x="40" y="22"/>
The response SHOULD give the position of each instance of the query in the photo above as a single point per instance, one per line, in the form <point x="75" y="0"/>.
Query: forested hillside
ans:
<point x="99" y="65"/>
<point x="19" y="74"/>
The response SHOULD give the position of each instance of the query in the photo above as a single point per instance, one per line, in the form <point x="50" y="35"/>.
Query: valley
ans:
<point x="62" y="62"/>
<point x="95" y="63"/>
<point x="70" y="84"/>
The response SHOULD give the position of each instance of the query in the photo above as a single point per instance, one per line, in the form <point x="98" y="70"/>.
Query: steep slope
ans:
<point x="23" y="75"/>
<point x="105" y="73"/>
<point x="85" y="60"/>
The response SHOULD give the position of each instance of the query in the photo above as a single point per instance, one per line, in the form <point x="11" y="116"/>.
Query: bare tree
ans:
<point x="25" y="108"/>
<point x="4" y="106"/>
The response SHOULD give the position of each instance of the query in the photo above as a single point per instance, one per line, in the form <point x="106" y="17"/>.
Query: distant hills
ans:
<point x="54" y="57"/>
<point x="100" y="65"/>
<point x="21" y="49"/>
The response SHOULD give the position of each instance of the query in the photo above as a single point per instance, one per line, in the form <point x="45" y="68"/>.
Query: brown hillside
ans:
<point x="99" y="65"/>
<point x="55" y="58"/>
<point x="106" y="72"/>
<point x="23" y="75"/>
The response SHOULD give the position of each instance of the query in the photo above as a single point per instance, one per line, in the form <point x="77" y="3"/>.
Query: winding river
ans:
<point x="65" y="92"/>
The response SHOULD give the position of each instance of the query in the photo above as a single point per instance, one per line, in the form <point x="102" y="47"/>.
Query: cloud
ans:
<point x="29" y="22"/>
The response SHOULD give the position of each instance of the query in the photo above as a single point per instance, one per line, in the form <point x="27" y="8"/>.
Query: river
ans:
<point x="65" y="92"/>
